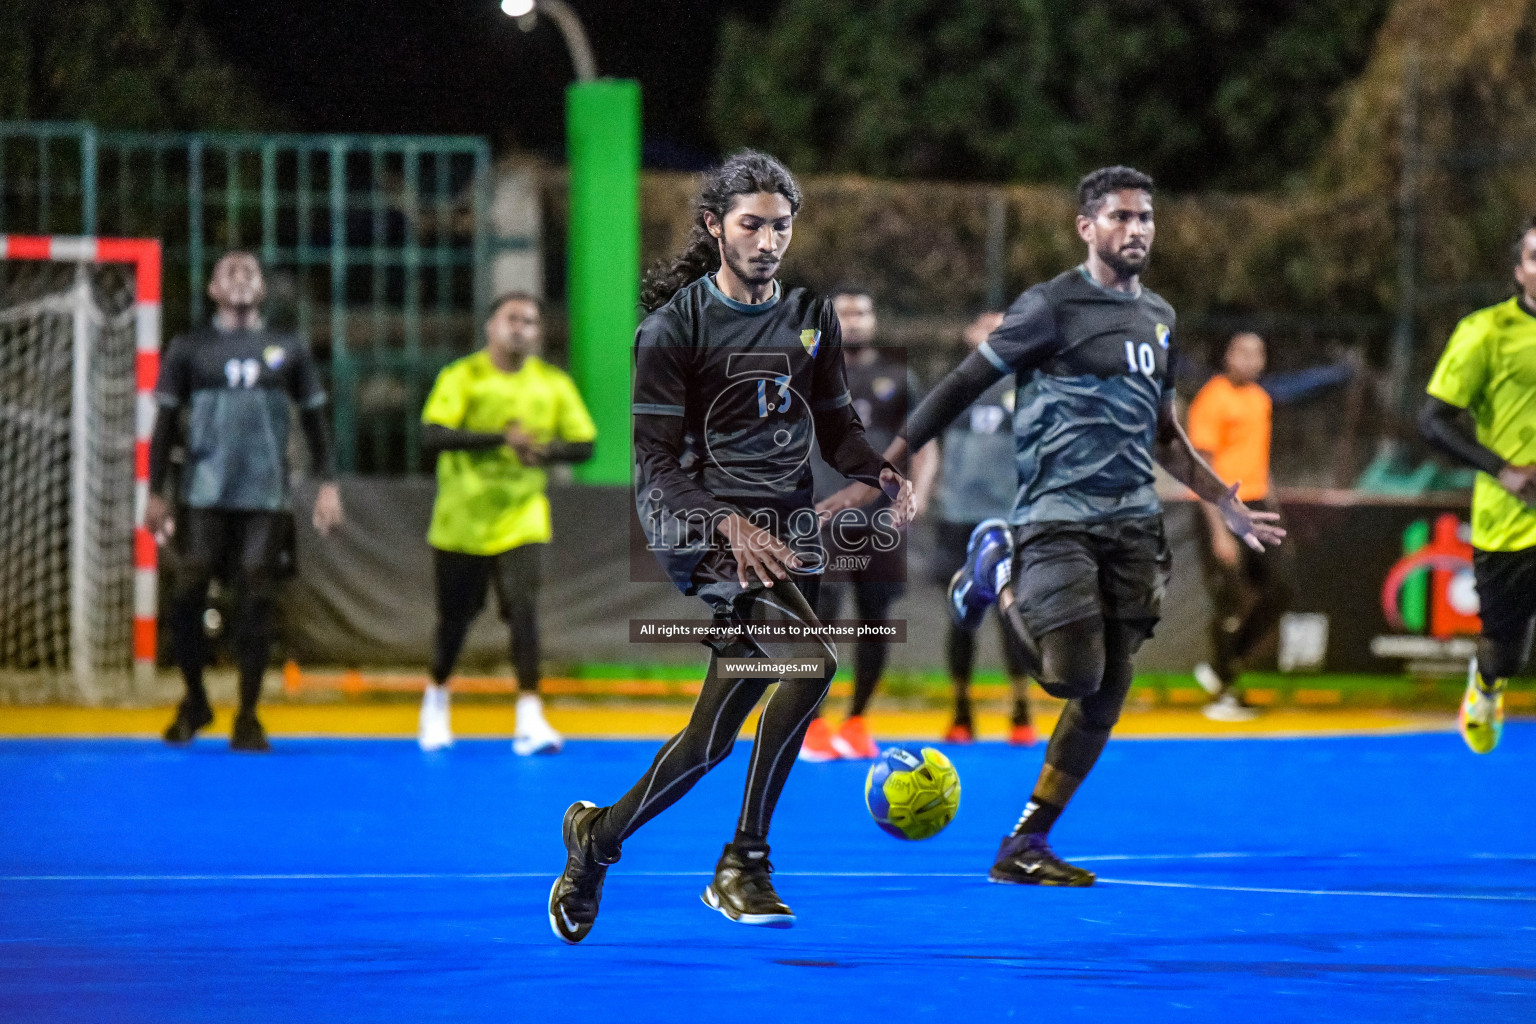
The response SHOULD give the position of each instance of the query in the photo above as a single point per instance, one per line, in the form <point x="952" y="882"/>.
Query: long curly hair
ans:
<point x="743" y="174"/>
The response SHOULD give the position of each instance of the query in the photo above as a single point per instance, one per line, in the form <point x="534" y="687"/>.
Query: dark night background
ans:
<point x="461" y="66"/>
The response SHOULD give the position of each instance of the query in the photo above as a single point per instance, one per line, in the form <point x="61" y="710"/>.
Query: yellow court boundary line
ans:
<point x="628" y="720"/>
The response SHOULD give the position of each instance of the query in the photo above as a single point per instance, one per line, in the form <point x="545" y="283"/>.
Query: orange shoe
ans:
<point x="959" y="733"/>
<point x="854" y="742"/>
<point x="817" y="745"/>
<point x="1022" y="736"/>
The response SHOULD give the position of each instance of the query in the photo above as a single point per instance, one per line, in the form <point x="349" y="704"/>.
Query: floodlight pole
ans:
<point x="602" y="133"/>
<point x="570" y="27"/>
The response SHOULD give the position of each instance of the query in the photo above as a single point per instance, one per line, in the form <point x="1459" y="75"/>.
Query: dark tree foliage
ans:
<point x="132" y="64"/>
<point x="1201" y="93"/>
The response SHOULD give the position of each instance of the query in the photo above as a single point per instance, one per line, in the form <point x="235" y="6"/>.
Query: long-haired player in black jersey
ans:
<point x="735" y="379"/>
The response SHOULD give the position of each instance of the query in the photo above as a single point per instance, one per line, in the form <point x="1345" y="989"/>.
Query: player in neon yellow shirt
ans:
<point x="496" y="419"/>
<point x="1482" y="410"/>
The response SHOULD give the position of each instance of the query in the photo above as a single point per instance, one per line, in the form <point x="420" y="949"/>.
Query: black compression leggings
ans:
<point x="1501" y="657"/>
<point x="718" y="714"/>
<point x="960" y="657"/>
<point x="242" y="547"/>
<point x="462" y="581"/>
<point x="1088" y="664"/>
<point x="873" y="600"/>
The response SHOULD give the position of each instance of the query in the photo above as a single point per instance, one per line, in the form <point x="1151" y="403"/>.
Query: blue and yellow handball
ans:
<point x="912" y="794"/>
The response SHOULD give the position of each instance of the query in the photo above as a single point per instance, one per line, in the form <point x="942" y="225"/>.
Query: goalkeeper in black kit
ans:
<point x="1080" y="567"/>
<point x="233" y="383"/>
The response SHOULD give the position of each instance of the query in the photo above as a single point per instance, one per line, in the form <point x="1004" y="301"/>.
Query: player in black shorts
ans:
<point x="234" y="380"/>
<point x="1081" y="576"/>
<point x="870" y="557"/>
<point x="735" y="379"/>
<point x="976" y="487"/>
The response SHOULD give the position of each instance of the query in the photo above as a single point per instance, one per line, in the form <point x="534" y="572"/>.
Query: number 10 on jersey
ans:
<point x="1141" y="358"/>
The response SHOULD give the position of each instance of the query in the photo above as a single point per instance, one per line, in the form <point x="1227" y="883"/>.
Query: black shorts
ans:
<point x="1065" y="572"/>
<point x="1506" y="590"/>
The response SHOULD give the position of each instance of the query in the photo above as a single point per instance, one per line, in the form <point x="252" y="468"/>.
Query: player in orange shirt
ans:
<point x="1229" y="424"/>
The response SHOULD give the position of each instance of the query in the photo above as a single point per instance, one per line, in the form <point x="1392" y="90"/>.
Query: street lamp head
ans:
<point x="517" y="8"/>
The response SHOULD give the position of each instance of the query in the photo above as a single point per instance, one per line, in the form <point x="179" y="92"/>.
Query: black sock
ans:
<point x="963" y="715"/>
<point x="747" y="841"/>
<point x="1021" y="712"/>
<point x="1037" y="819"/>
<point x="197" y="693"/>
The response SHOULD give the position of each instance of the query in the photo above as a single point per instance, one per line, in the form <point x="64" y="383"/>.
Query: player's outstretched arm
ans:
<point x="1178" y="456"/>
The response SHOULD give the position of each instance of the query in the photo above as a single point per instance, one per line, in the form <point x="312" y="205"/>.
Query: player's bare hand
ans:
<point x="529" y="452"/>
<point x="157" y="519"/>
<point x="855" y="495"/>
<point x="1256" y="529"/>
<point x="903" y="502"/>
<point x="1520" y="481"/>
<point x="1224" y="548"/>
<point x="757" y="552"/>
<point x="327" y="514"/>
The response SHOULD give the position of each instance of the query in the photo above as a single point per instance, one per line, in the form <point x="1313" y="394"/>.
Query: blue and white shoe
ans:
<point x="988" y="562"/>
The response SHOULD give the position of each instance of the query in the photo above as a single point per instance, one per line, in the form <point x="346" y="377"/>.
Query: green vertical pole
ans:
<point x="603" y="290"/>
<point x="1413" y="599"/>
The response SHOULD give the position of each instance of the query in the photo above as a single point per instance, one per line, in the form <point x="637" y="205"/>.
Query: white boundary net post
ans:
<point x="143" y="255"/>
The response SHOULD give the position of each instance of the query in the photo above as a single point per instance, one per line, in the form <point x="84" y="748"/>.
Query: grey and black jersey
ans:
<point x="729" y="400"/>
<point x="978" y="478"/>
<point x="1091" y="367"/>
<point x="235" y="387"/>
<point x="883" y="390"/>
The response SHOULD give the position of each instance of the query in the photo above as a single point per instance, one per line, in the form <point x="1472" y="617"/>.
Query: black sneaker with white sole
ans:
<point x="743" y="891"/>
<point x="1028" y="859"/>
<point x="574" y="897"/>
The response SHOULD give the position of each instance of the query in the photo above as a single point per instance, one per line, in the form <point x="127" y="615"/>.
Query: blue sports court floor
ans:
<point x="1359" y="879"/>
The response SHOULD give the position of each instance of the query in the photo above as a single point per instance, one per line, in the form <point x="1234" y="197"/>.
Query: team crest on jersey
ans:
<point x="810" y="340"/>
<point x="1162" y="335"/>
<point x="273" y="356"/>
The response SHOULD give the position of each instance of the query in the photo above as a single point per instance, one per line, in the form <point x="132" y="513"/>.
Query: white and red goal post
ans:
<point x="143" y="256"/>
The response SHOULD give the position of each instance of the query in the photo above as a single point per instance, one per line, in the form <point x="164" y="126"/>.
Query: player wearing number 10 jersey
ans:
<point x="1079" y="567"/>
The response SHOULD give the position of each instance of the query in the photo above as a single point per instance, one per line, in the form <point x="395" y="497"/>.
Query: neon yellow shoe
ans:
<point x="1482" y="714"/>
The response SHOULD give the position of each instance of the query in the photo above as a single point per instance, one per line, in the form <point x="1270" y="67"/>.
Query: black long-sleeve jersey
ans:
<point x="1091" y="371"/>
<point x="729" y="399"/>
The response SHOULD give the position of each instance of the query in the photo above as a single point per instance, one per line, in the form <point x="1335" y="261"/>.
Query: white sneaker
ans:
<point x="1209" y="681"/>
<point x="533" y="734"/>
<point x="434" y="732"/>
<point x="1229" y="707"/>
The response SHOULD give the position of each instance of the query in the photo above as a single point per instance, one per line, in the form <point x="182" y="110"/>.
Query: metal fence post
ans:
<point x="195" y="228"/>
<point x="88" y="154"/>
<point x="343" y="373"/>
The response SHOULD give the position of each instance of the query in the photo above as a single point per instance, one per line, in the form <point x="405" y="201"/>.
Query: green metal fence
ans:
<point x="376" y="246"/>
